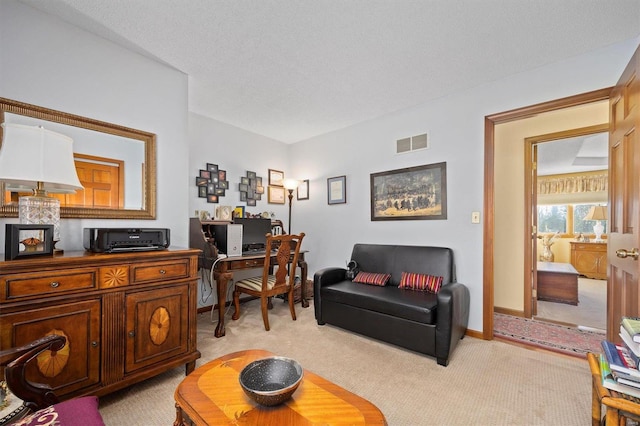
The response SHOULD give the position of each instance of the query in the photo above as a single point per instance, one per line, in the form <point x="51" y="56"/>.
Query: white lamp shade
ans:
<point x="31" y="154"/>
<point x="597" y="213"/>
<point x="291" y="183"/>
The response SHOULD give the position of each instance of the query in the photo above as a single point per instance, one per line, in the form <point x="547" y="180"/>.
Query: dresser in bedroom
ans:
<point x="590" y="259"/>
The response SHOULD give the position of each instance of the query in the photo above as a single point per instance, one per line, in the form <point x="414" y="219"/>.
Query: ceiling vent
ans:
<point x="413" y="143"/>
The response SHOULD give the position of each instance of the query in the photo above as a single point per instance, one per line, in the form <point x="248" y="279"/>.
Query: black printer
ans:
<point x="111" y="240"/>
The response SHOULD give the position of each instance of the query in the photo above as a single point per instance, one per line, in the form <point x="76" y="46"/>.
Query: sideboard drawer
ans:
<point x="52" y="283"/>
<point x="145" y="272"/>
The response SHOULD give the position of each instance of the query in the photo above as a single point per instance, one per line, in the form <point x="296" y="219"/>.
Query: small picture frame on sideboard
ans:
<point x="28" y="240"/>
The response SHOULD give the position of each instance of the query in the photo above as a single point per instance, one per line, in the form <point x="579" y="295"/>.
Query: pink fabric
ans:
<point x="422" y="282"/>
<point x="372" y="278"/>
<point x="81" y="411"/>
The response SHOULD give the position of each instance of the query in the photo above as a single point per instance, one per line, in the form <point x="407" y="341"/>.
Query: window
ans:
<point x="567" y="219"/>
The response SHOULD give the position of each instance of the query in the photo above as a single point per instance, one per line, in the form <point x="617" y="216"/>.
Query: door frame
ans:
<point x="490" y="122"/>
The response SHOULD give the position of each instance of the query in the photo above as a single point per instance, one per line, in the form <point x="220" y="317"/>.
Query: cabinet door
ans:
<point x="157" y="325"/>
<point x="74" y="367"/>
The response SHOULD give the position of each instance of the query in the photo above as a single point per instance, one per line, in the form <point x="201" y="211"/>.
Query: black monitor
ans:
<point x="254" y="233"/>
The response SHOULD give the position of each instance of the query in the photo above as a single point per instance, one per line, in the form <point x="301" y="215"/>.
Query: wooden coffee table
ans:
<point x="211" y="395"/>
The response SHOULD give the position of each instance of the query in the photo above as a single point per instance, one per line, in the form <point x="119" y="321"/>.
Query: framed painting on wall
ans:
<point x="337" y="190"/>
<point x="413" y="193"/>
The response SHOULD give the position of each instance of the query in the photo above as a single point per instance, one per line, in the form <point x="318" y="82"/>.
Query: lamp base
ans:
<point x="598" y="229"/>
<point x="39" y="210"/>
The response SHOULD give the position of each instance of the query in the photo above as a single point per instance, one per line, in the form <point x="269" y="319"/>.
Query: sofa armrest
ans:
<point x="453" y="318"/>
<point x="321" y="278"/>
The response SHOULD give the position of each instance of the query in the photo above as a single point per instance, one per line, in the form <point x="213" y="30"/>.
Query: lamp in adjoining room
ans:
<point x="33" y="158"/>
<point x="597" y="213"/>
<point x="290" y="185"/>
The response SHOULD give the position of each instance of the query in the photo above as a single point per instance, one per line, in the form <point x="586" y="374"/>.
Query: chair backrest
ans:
<point x="287" y="248"/>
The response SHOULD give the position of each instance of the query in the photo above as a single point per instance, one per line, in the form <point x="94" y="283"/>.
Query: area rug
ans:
<point x="546" y="335"/>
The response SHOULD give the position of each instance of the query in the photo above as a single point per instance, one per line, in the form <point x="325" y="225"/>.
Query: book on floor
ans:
<point x="610" y="383"/>
<point x="620" y="359"/>
<point x="632" y="325"/>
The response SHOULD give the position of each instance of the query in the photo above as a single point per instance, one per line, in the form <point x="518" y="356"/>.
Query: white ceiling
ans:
<point x="572" y="155"/>
<point x="293" y="69"/>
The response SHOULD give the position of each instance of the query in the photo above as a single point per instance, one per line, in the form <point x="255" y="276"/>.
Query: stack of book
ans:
<point x="620" y="363"/>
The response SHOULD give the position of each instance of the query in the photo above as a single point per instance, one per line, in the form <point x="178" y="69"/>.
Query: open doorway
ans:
<point x="569" y="195"/>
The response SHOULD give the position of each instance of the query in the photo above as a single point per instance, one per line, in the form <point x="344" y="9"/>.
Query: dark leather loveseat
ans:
<point x="424" y="322"/>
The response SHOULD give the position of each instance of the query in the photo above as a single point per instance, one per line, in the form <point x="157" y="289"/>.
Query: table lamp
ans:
<point x="33" y="158"/>
<point x="597" y="213"/>
<point x="290" y="185"/>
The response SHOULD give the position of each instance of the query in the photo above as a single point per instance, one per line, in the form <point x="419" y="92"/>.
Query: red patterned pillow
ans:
<point x="422" y="282"/>
<point x="372" y="278"/>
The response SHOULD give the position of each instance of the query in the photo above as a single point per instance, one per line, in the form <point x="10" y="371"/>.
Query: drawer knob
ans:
<point x="94" y="344"/>
<point x="162" y="271"/>
<point x="624" y="253"/>
<point x="132" y="333"/>
<point x="55" y="284"/>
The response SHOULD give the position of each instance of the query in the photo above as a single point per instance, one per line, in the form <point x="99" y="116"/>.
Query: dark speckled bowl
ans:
<point x="271" y="381"/>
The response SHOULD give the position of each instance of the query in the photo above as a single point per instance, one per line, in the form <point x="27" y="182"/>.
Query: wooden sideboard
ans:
<point x="590" y="259"/>
<point x="126" y="316"/>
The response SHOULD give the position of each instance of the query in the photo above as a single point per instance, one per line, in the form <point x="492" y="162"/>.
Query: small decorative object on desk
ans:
<point x="271" y="381"/>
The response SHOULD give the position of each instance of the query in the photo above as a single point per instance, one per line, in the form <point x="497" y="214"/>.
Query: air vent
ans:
<point x="412" y="144"/>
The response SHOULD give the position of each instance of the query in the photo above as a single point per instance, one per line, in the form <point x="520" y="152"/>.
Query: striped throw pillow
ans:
<point x="421" y="282"/>
<point x="372" y="278"/>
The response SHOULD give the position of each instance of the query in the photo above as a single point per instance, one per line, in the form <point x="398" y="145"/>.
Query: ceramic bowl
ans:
<point x="271" y="381"/>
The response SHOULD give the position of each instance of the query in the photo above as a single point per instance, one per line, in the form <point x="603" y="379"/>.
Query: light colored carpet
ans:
<point x="590" y="312"/>
<point x="486" y="382"/>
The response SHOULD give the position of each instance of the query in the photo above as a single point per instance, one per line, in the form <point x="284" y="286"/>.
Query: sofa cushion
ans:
<point x="419" y="306"/>
<point x="421" y="282"/>
<point x="81" y="411"/>
<point x="371" y="278"/>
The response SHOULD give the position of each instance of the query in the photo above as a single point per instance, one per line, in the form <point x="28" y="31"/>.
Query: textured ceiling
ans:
<point x="293" y="69"/>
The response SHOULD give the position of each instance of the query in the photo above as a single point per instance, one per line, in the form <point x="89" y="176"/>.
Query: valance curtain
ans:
<point x="573" y="188"/>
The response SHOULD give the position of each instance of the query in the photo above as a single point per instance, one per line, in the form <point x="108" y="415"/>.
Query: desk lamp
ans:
<point x="33" y="158"/>
<point x="290" y="185"/>
<point x="597" y="213"/>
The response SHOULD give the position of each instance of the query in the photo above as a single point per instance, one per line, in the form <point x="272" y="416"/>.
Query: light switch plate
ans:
<point x="475" y="217"/>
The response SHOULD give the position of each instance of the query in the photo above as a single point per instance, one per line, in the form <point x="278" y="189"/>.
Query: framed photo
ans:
<point x="303" y="190"/>
<point x="28" y="240"/>
<point x="201" y="181"/>
<point x="222" y="175"/>
<point x="238" y="211"/>
<point x="275" y="194"/>
<point x="337" y="190"/>
<point x="414" y="193"/>
<point x="276" y="178"/>
<point x="202" y="192"/>
<point x="251" y="175"/>
<point x="212" y="198"/>
<point x="213" y="168"/>
<point x="205" y="174"/>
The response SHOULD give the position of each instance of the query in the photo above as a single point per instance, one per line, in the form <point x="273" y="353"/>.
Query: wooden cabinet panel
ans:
<point x="156" y="325"/>
<point x="126" y="316"/>
<point x="590" y="259"/>
<point x="74" y="367"/>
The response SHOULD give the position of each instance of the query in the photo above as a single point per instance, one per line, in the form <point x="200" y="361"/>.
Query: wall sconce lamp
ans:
<point x="597" y="213"/>
<point x="33" y="158"/>
<point x="290" y="185"/>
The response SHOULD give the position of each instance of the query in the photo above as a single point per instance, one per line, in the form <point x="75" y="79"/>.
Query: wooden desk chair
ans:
<point x="273" y="284"/>
<point x="618" y="408"/>
<point x="39" y="400"/>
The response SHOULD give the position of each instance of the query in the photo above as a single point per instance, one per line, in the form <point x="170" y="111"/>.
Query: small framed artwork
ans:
<point x="337" y="190"/>
<point x="213" y="168"/>
<point x="303" y="190"/>
<point x="205" y="174"/>
<point x="222" y="175"/>
<point x="414" y="193"/>
<point x="201" y="181"/>
<point x="238" y="211"/>
<point x="202" y="192"/>
<point x="251" y="175"/>
<point x="275" y="195"/>
<point x="28" y="240"/>
<point x="212" y="198"/>
<point x="276" y="178"/>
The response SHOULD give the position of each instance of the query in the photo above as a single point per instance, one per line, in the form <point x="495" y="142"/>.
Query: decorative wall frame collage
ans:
<point x="413" y="193"/>
<point x="212" y="183"/>
<point x="251" y="188"/>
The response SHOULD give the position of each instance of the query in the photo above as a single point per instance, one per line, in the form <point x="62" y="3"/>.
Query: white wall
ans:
<point x="49" y="63"/>
<point x="456" y="129"/>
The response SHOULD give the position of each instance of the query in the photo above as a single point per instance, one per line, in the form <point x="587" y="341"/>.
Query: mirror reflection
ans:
<point x="116" y="165"/>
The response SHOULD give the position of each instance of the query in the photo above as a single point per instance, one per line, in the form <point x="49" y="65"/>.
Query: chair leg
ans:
<point x="292" y="307"/>
<point x="264" y="301"/>
<point x="236" y="304"/>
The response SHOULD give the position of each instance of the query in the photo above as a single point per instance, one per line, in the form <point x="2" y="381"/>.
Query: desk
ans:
<point x="224" y="272"/>
<point x="212" y="395"/>
<point x="557" y="282"/>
